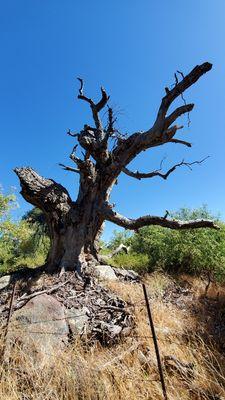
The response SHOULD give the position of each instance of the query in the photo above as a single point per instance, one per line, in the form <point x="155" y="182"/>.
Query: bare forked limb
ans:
<point x="177" y="113"/>
<point x="94" y="140"/>
<point x="69" y="133"/>
<point x="138" y="175"/>
<point x="95" y="107"/>
<point x="135" y="224"/>
<point x="161" y="132"/>
<point x="179" y="88"/>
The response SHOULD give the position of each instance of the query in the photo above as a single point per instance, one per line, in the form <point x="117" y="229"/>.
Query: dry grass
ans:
<point x="98" y="373"/>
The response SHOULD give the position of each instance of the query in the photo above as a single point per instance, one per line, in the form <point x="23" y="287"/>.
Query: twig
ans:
<point x="120" y="357"/>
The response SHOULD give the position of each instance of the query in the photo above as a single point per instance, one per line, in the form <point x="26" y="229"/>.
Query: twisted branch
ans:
<point x="138" y="175"/>
<point x="135" y="224"/>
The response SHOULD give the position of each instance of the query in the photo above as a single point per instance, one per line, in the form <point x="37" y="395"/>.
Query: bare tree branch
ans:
<point x="95" y="107"/>
<point x="81" y="93"/>
<point x="41" y="192"/>
<point x="177" y="113"/>
<point x="135" y="224"/>
<point x="180" y="87"/>
<point x="72" y="134"/>
<point x="188" y="144"/>
<point x="160" y="132"/>
<point x="110" y="126"/>
<point x="67" y="168"/>
<point x="102" y="103"/>
<point x="139" y="175"/>
<point x="86" y="166"/>
<point x="73" y="156"/>
<point x="81" y="86"/>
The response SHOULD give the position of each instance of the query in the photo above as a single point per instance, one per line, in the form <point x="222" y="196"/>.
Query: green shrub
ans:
<point x="194" y="251"/>
<point x="20" y="242"/>
<point x="135" y="261"/>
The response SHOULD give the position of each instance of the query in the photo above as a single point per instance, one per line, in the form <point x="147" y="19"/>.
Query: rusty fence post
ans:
<point x="154" y="337"/>
<point x="8" y="320"/>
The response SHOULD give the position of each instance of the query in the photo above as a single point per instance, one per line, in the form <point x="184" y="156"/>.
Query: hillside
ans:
<point x="190" y="329"/>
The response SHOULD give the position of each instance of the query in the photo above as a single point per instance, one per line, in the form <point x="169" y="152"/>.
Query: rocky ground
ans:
<point x="48" y="311"/>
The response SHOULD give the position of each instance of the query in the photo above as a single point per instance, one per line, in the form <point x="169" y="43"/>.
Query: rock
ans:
<point x="39" y="328"/>
<point x="165" y="331"/>
<point x="127" y="274"/>
<point x="127" y="331"/>
<point x="105" y="272"/>
<point x="77" y="319"/>
<point x="144" y="361"/>
<point x="4" y="281"/>
<point x="114" y="329"/>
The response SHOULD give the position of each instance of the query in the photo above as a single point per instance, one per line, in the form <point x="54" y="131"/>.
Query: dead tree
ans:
<point x="75" y="227"/>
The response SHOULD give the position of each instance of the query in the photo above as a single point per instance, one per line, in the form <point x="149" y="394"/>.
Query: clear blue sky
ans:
<point x="132" y="48"/>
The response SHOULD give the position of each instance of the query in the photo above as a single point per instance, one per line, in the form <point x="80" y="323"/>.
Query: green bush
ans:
<point x="20" y="245"/>
<point x="194" y="251"/>
<point x="135" y="261"/>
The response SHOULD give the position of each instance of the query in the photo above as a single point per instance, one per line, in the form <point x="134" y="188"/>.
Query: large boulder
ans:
<point x="39" y="328"/>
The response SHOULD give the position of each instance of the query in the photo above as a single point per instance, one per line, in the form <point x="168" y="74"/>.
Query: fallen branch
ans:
<point x="23" y="299"/>
<point x="120" y="357"/>
<point x="173" y="364"/>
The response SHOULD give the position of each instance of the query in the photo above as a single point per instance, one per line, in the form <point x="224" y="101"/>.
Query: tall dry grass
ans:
<point x="121" y="372"/>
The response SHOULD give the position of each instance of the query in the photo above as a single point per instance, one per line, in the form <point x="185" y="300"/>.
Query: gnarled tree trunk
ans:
<point x="75" y="227"/>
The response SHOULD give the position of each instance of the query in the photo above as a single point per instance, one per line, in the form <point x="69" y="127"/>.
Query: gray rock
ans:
<point x="4" y="281"/>
<point x="127" y="274"/>
<point x="105" y="272"/>
<point x="39" y="328"/>
<point x="77" y="319"/>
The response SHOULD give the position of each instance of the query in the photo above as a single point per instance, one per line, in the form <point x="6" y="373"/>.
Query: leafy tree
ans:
<point x="37" y="217"/>
<point x="6" y="203"/>
<point x="18" y="239"/>
<point x="119" y="237"/>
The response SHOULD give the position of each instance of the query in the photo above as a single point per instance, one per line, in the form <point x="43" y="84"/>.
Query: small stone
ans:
<point x="77" y="319"/>
<point x="127" y="331"/>
<point x="4" y="281"/>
